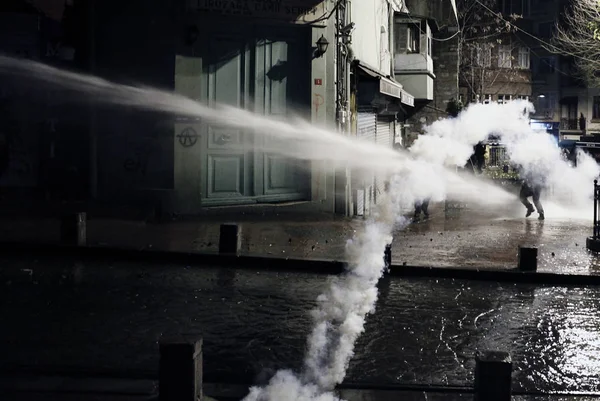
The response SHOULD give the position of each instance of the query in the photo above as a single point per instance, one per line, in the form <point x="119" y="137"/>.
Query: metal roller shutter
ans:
<point x="384" y="131"/>
<point x="366" y="123"/>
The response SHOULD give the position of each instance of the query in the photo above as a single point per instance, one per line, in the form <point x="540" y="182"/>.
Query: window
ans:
<point x="503" y="99"/>
<point x="525" y="8"/>
<point x="461" y="98"/>
<point x="596" y="108"/>
<point x="504" y="56"/>
<point x="522" y="97"/>
<point x="546" y="65"/>
<point x="484" y="56"/>
<point x="487" y="99"/>
<point x="545" y="29"/>
<point x="545" y="105"/>
<point x="524" y="57"/>
<point x="413" y="34"/>
<point x="429" y="45"/>
<point x="518" y="7"/>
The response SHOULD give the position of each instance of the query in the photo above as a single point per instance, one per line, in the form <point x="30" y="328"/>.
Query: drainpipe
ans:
<point x="391" y="44"/>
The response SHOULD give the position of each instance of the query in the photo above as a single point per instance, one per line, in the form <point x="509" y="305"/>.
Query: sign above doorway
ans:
<point x="296" y="11"/>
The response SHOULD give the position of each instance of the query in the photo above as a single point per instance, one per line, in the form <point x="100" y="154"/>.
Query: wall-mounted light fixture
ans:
<point x="322" y="45"/>
<point x="541" y="96"/>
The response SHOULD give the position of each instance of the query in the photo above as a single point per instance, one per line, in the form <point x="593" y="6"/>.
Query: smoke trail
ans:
<point x="340" y="317"/>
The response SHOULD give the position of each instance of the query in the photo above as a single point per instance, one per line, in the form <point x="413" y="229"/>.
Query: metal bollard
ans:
<point x="593" y="243"/>
<point x="180" y="369"/>
<point x="73" y="229"/>
<point x="387" y="256"/>
<point x="527" y="259"/>
<point x="493" y="381"/>
<point x="230" y="238"/>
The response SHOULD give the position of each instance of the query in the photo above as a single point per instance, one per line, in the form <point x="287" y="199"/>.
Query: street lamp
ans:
<point x="322" y="45"/>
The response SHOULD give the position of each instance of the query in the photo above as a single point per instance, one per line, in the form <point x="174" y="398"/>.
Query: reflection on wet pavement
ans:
<point x="471" y="237"/>
<point x="424" y="331"/>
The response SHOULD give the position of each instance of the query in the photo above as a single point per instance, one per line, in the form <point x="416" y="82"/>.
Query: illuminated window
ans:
<point x="524" y="57"/>
<point x="504" y="56"/>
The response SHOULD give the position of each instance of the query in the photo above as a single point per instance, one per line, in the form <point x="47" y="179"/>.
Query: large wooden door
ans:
<point x="227" y="152"/>
<point x="279" y="92"/>
<point x="245" y="69"/>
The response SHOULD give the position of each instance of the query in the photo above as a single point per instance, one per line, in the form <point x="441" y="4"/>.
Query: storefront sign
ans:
<point x="389" y="88"/>
<point x="290" y="10"/>
<point x="407" y="99"/>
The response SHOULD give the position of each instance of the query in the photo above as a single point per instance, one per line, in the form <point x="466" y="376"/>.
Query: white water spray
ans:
<point x="420" y="173"/>
<point x="298" y="139"/>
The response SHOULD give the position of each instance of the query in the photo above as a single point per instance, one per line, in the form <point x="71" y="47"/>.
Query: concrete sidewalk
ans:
<point x="465" y="237"/>
<point x="285" y="232"/>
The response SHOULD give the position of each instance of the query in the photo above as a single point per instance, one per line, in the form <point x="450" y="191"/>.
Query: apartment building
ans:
<point x="496" y="65"/>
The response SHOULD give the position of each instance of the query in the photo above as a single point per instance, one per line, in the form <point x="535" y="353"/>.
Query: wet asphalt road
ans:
<point x="477" y="238"/>
<point x="472" y="237"/>
<point x="99" y="318"/>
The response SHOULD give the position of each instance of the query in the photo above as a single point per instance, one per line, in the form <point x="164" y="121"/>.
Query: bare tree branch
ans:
<point x="578" y="35"/>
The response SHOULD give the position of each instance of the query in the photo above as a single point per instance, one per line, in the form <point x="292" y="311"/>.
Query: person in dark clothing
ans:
<point x="533" y="190"/>
<point x="479" y="159"/>
<point x="421" y="207"/>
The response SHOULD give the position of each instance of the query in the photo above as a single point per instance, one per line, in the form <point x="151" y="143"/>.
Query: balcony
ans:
<point x="415" y="73"/>
<point x="569" y="124"/>
<point x="415" y="62"/>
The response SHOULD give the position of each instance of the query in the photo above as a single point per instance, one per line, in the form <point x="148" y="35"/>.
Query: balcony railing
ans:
<point x="569" y="124"/>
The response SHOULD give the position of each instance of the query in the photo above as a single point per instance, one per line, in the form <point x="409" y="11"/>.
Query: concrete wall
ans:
<point x="19" y="36"/>
<point x="135" y="149"/>
<point x="370" y="39"/>
<point x="45" y="129"/>
<point x="323" y="113"/>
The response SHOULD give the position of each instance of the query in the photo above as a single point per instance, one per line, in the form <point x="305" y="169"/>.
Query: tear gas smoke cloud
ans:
<point x="450" y="142"/>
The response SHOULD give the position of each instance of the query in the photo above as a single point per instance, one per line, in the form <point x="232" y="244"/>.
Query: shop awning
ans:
<point x="387" y="86"/>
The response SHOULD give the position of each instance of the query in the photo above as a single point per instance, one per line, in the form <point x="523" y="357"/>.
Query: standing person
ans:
<point x="533" y="189"/>
<point x="479" y="151"/>
<point x="421" y="206"/>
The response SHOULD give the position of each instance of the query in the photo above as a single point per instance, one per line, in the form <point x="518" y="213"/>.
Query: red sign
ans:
<point x="318" y="81"/>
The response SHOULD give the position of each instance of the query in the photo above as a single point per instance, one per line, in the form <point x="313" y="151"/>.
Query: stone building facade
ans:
<point x="444" y="49"/>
